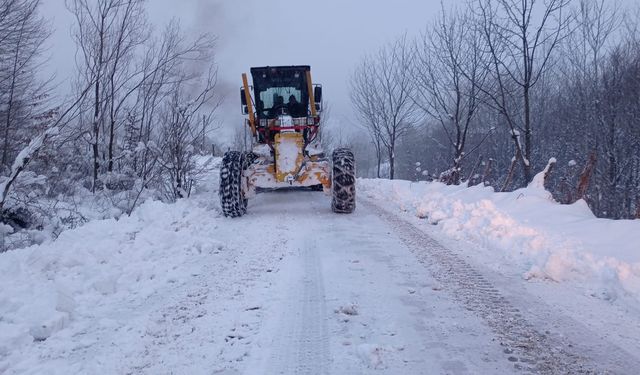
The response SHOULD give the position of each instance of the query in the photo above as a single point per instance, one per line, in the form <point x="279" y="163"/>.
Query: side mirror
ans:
<point x="317" y="94"/>
<point x="243" y="100"/>
<point x="243" y="97"/>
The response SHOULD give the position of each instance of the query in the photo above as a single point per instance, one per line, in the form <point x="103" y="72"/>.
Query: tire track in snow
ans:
<point x="530" y="351"/>
<point x="313" y="349"/>
<point x="301" y="346"/>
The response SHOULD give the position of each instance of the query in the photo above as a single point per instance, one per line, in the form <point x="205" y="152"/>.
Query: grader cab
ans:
<point x="283" y="109"/>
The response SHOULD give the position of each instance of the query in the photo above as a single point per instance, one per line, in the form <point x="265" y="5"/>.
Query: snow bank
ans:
<point x="45" y="287"/>
<point x="545" y="240"/>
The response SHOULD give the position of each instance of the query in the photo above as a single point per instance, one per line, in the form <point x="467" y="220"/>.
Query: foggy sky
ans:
<point x="329" y="35"/>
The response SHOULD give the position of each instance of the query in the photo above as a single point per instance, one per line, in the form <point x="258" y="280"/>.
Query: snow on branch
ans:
<point x="542" y="177"/>
<point x="23" y="159"/>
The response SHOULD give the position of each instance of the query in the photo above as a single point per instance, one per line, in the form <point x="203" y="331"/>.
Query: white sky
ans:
<point x="329" y="35"/>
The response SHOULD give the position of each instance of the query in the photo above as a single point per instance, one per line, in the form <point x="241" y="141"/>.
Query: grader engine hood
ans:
<point x="289" y="155"/>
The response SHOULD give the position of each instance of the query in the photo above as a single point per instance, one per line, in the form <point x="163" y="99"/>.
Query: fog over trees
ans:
<point x="502" y="87"/>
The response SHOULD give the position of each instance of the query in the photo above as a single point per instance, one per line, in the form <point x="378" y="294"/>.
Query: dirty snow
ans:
<point x="287" y="155"/>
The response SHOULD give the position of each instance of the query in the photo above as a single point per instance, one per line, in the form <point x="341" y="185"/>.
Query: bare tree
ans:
<point x="180" y="132"/>
<point x="363" y="99"/>
<point x="28" y="153"/>
<point x="325" y="136"/>
<point x="161" y="67"/>
<point x="133" y="76"/>
<point x="22" y="34"/>
<point x="450" y="68"/>
<point x="521" y="37"/>
<point x="107" y="34"/>
<point x="562" y="81"/>
<point x="382" y="88"/>
<point x="597" y="24"/>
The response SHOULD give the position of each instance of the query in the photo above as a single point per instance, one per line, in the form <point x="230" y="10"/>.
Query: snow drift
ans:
<point x="526" y="227"/>
<point x="83" y="272"/>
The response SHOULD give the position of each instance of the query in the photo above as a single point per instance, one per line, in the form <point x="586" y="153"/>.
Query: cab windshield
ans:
<point x="280" y="90"/>
<point x="275" y="96"/>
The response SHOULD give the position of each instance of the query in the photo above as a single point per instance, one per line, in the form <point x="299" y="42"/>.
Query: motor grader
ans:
<point x="283" y="116"/>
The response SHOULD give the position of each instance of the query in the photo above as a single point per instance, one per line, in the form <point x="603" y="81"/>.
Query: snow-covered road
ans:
<point x="372" y="293"/>
<point x="350" y="298"/>
<point x="290" y="288"/>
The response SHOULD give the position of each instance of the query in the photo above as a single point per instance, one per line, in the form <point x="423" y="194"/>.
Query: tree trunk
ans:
<point x="547" y="173"/>
<point x="613" y="170"/>
<point x="392" y="154"/>
<point x="111" y="143"/>
<point x="112" y="120"/>
<point x="96" y="108"/>
<point x="487" y="172"/>
<point x="512" y="168"/>
<point x="472" y="180"/>
<point x="378" y="157"/>
<point x="96" y="135"/>
<point x="526" y="160"/>
<point x="12" y="88"/>
<point x="457" y="167"/>
<point x="5" y="148"/>
<point x="585" y="177"/>
<point x="391" y="163"/>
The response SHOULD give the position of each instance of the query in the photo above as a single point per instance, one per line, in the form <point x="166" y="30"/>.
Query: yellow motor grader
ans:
<point x="283" y="115"/>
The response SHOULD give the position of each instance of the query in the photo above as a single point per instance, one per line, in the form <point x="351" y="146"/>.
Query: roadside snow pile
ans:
<point x="89" y="271"/>
<point x="544" y="239"/>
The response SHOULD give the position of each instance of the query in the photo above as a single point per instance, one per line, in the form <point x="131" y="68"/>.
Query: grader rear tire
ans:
<point x="343" y="187"/>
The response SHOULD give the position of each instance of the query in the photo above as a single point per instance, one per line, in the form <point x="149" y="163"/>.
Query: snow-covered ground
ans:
<point x="526" y="228"/>
<point x="162" y="291"/>
<point x="513" y="281"/>
<point x="557" y="261"/>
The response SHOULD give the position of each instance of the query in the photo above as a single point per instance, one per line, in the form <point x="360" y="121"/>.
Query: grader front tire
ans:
<point x="343" y="188"/>
<point x="232" y="199"/>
